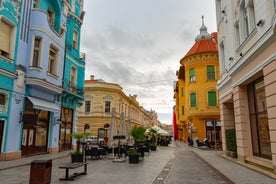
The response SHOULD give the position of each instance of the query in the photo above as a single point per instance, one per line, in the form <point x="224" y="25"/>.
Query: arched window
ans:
<point x="86" y="128"/>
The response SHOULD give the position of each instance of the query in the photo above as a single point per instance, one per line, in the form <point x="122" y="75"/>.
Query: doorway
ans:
<point x="66" y="129"/>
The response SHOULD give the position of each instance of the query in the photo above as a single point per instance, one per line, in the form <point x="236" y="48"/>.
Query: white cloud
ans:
<point x="138" y="44"/>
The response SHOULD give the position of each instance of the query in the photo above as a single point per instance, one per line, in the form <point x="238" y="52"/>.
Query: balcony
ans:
<point x="41" y="19"/>
<point x="72" y="88"/>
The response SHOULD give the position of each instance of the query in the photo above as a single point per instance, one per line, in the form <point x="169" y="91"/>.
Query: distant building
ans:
<point x="195" y="93"/>
<point x="247" y="90"/>
<point x="100" y="98"/>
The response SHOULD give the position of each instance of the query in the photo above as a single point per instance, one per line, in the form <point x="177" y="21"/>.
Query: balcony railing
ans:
<point x="72" y="88"/>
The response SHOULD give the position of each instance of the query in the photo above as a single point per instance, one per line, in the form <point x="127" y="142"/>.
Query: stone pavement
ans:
<point x="230" y="168"/>
<point x="104" y="171"/>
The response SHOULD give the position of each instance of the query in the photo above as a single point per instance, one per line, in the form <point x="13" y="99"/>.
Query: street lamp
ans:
<point x="215" y="134"/>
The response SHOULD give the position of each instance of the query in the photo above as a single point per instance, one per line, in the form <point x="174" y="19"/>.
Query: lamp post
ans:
<point x="215" y="134"/>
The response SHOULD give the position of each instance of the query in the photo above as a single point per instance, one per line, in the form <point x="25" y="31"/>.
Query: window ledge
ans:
<point x="35" y="68"/>
<point x="52" y="75"/>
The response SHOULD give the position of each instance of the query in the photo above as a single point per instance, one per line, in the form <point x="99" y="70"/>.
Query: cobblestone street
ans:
<point x="175" y="164"/>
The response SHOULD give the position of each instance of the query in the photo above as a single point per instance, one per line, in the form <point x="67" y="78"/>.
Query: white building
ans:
<point x="247" y="88"/>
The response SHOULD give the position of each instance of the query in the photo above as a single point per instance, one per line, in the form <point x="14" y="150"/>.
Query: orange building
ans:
<point x="197" y="106"/>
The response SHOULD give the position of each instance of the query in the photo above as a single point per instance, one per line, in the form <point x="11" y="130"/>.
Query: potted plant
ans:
<point x="154" y="133"/>
<point x="231" y="143"/>
<point x="153" y="147"/>
<point x="133" y="156"/>
<point x="139" y="136"/>
<point x="77" y="155"/>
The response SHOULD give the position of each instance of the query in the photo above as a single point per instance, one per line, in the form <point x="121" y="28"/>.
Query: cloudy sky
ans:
<point x="138" y="44"/>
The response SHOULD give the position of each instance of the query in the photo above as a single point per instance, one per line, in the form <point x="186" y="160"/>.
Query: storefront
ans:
<point x="66" y="129"/>
<point x="213" y="133"/>
<point x="36" y="120"/>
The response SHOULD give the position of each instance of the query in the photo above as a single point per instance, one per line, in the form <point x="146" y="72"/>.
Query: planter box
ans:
<point x="232" y="154"/>
<point x="76" y="158"/>
<point x="133" y="159"/>
<point x="153" y="148"/>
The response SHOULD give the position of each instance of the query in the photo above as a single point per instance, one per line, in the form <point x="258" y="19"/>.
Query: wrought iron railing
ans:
<point x="72" y="88"/>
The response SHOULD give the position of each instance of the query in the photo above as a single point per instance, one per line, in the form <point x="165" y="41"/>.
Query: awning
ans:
<point x="43" y="105"/>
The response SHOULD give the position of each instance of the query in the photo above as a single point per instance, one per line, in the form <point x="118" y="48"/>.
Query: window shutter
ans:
<point x="212" y="98"/>
<point x="193" y="99"/>
<point x="192" y="72"/>
<point x="210" y="69"/>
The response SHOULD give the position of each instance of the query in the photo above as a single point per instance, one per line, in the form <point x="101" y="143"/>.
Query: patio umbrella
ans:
<point x="159" y="130"/>
<point x="112" y="129"/>
<point x="128" y="130"/>
<point x="122" y="130"/>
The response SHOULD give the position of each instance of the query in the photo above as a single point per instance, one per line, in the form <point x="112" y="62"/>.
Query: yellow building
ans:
<point x="197" y="107"/>
<point x="94" y="116"/>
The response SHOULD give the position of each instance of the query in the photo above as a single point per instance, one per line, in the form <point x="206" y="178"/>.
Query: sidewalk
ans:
<point x="27" y="160"/>
<point x="148" y="169"/>
<point x="230" y="168"/>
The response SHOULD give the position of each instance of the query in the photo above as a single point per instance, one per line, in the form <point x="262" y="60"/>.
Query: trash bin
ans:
<point x="41" y="171"/>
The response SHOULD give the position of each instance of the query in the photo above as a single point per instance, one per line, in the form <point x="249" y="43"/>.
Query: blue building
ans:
<point x="9" y="19"/>
<point x="48" y="79"/>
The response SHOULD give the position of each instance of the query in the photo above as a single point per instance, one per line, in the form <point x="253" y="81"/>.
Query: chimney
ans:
<point x="92" y="77"/>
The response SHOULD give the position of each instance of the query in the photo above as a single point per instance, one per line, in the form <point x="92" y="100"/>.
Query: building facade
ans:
<point x="247" y="90"/>
<point x="100" y="98"/>
<point x="197" y="108"/>
<point x="9" y="19"/>
<point x="40" y="69"/>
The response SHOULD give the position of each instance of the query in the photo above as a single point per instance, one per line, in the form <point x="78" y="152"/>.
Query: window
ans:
<point x="52" y="64"/>
<point x="182" y="92"/>
<point x="182" y="110"/>
<point x="36" y="3"/>
<point x="211" y="72"/>
<point x="238" y="35"/>
<point x="51" y="17"/>
<point x="259" y="119"/>
<point x="2" y="99"/>
<point x="247" y="19"/>
<point x="75" y="40"/>
<point x="244" y="20"/>
<point x="193" y="99"/>
<point x="73" y="77"/>
<point x="221" y="56"/>
<point x="5" y="37"/>
<point x="36" y="52"/>
<point x="87" y="106"/>
<point x="192" y="75"/>
<point x="251" y="16"/>
<point x="107" y="106"/>
<point x="212" y="99"/>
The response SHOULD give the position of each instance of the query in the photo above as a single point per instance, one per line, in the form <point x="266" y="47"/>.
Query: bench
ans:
<point x="73" y="166"/>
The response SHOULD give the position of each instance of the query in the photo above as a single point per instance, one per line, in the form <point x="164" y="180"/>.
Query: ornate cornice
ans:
<point x="199" y="58"/>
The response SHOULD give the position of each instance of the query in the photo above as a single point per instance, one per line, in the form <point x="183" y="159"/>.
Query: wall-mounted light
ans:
<point x="241" y="54"/>
<point x="20" y="117"/>
<point x="231" y="59"/>
<point x="57" y="121"/>
<point x="260" y="23"/>
<point x="223" y="12"/>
